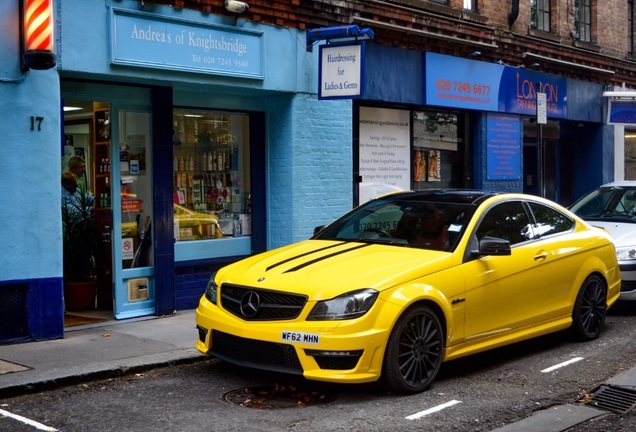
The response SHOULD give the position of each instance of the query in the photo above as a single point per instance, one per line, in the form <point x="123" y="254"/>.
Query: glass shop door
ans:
<point x="133" y="267"/>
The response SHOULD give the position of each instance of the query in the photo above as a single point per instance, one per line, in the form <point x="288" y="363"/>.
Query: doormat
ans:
<point x="8" y="367"/>
<point x="71" y="320"/>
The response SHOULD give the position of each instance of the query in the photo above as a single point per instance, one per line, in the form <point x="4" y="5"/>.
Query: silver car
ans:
<point x="612" y="206"/>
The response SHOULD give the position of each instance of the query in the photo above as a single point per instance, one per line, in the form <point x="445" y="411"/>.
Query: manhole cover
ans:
<point x="277" y="397"/>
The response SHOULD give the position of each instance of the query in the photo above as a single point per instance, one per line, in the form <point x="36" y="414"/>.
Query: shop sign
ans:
<point x="468" y="84"/>
<point x="127" y="248"/>
<point x="503" y="137"/>
<point x="131" y="205"/>
<point x="384" y="161"/>
<point x="340" y="71"/>
<point x="621" y="112"/>
<point x="148" y="40"/>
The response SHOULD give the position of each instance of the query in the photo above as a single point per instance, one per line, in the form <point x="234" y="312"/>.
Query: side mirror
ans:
<point x="318" y="229"/>
<point x="493" y="246"/>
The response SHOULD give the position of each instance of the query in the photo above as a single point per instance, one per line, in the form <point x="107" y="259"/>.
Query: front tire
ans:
<point x="590" y="309"/>
<point x="413" y="353"/>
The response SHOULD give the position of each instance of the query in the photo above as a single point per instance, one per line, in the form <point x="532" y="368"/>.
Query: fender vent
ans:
<point x="618" y="400"/>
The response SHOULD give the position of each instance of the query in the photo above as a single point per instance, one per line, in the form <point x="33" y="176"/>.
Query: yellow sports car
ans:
<point x="407" y="281"/>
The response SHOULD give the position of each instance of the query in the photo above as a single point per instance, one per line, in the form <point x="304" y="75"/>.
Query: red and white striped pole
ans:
<point x="39" y="44"/>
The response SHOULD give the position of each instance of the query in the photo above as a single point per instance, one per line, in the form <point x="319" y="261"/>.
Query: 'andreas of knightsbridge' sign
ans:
<point x="340" y="71"/>
<point x="141" y="39"/>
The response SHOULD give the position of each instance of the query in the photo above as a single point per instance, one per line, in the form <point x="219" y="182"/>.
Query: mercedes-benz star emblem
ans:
<point x="250" y="303"/>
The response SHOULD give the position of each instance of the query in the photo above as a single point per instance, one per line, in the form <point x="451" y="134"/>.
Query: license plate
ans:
<point x="298" y="337"/>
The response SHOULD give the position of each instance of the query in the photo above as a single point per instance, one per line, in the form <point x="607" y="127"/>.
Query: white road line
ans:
<point x="565" y="363"/>
<point x="25" y="420"/>
<point x="432" y="410"/>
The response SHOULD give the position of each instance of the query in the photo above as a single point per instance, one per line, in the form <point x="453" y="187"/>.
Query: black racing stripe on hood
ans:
<point x="308" y="263"/>
<point x="302" y="255"/>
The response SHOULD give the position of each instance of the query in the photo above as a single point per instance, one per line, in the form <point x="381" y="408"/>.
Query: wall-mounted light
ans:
<point x="342" y="33"/>
<point x="38" y="34"/>
<point x="235" y="6"/>
<point x="475" y="54"/>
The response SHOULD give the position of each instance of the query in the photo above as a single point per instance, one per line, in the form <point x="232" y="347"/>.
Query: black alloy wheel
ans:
<point x="414" y="352"/>
<point x="590" y="309"/>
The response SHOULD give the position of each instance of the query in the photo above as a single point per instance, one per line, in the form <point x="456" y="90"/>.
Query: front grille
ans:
<point x="273" y="305"/>
<point x="336" y="362"/>
<point x="255" y="353"/>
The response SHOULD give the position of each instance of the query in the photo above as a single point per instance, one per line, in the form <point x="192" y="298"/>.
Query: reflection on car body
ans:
<point x="408" y="280"/>
<point x="195" y="225"/>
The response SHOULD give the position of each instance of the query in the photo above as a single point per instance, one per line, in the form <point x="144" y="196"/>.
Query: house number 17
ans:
<point x="38" y="121"/>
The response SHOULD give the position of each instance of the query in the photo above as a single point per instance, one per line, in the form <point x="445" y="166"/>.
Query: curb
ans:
<point x="102" y="371"/>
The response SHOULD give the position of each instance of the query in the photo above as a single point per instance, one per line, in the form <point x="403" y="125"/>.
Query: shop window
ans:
<point x="437" y="144"/>
<point x="211" y="175"/>
<point x="630" y="154"/>
<point x="540" y="15"/>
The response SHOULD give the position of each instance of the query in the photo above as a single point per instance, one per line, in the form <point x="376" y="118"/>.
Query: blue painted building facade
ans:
<point x="304" y="152"/>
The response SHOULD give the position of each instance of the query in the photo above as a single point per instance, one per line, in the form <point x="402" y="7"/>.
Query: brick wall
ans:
<point x="310" y="165"/>
<point x="491" y="25"/>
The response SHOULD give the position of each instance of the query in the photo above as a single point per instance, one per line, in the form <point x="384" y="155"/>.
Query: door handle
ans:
<point x="541" y="256"/>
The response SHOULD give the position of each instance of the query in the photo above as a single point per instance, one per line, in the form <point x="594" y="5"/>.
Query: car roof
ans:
<point x="623" y="183"/>
<point x="464" y="196"/>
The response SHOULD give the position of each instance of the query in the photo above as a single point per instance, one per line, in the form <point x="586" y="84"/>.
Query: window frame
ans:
<point x="630" y="26"/>
<point x="471" y="5"/>
<point x="541" y="15"/>
<point x="583" y="20"/>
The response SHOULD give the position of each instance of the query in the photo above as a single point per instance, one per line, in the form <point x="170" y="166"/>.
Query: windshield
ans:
<point x="611" y="204"/>
<point x="403" y="222"/>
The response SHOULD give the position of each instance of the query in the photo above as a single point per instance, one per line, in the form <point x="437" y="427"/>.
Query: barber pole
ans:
<point x="38" y="34"/>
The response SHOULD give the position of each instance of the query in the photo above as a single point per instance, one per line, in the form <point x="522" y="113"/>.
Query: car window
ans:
<point x="412" y="223"/>
<point x="595" y="204"/>
<point x="508" y="221"/>
<point x="374" y="218"/>
<point x="628" y="202"/>
<point x="550" y="221"/>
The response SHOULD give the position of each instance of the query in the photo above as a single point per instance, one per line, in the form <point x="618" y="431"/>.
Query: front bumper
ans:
<point x="628" y="284"/>
<point x="335" y="351"/>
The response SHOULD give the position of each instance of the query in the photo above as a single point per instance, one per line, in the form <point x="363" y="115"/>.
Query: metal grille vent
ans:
<point x="618" y="400"/>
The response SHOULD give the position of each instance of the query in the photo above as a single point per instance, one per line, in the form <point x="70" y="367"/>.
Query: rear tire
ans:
<point x="590" y="309"/>
<point x="413" y="353"/>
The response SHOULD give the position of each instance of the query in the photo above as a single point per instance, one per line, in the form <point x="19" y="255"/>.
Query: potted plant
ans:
<point x="81" y="246"/>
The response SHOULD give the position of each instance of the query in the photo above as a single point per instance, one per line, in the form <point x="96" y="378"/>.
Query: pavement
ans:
<point x="98" y="351"/>
<point x="118" y="348"/>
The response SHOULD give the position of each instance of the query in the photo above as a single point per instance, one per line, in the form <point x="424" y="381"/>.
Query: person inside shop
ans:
<point x="77" y="167"/>
<point x="73" y="196"/>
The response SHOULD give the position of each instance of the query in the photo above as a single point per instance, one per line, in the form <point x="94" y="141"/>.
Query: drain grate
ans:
<point x="618" y="400"/>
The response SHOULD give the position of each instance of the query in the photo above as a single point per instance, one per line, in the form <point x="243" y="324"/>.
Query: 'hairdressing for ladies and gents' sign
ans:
<point x="340" y="70"/>
<point x="468" y="84"/>
<point x="147" y="40"/>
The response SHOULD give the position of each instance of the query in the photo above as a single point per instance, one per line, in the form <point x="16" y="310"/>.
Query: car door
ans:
<point x="507" y="292"/>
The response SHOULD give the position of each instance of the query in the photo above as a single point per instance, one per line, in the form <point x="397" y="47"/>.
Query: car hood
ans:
<point x="623" y="234"/>
<point x="326" y="269"/>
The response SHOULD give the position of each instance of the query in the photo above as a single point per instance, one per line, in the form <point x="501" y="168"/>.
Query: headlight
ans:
<point x="211" y="289"/>
<point x="626" y="253"/>
<point x="347" y="306"/>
